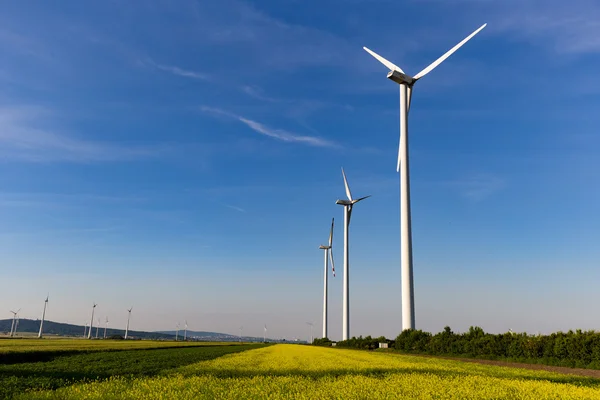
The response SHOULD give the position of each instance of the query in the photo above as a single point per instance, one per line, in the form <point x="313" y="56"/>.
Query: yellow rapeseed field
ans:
<point x="306" y="372"/>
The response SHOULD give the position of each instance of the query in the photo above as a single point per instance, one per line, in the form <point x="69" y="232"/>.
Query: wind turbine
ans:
<point x="177" y="332"/>
<point x="128" y="317"/>
<point x="265" y="334"/>
<point x="43" y="316"/>
<point x="328" y="256"/>
<point x="241" y="329"/>
<point x="311" y="331"/>
<point x="85" y="329"/>
<point x="92" y="321"/>
<point x="12" y="326"/>
<point x="105" y="326"/>
<point x="185" y="332"/>
<point x="348" y="205"/>
<point x="406" y="83"/>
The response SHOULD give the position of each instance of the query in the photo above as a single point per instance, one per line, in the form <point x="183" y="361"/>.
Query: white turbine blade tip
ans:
<point x="385" y="62"/>
<point x="437" y="62"/>
<point x="348" y="193"/>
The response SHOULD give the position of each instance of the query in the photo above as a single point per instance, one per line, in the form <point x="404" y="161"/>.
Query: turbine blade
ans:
<point x="447" y="54"/>
<point x="331" y="260"/>
<point x="408" y="98"/>
<point x="347" y="187"/>
<point x="331" y="233"/>
<point x="385" y="62"/>
<point x="362" y="198"/>
<point x="399" y="159"/>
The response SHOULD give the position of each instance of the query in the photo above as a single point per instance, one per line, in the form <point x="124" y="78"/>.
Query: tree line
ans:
<point x="573" y="349"/>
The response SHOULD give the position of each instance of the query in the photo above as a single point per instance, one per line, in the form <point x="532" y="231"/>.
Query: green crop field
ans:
<point x="30" y="365"/>
<point x="306" y="372"/>
<point x="67" y="345"/>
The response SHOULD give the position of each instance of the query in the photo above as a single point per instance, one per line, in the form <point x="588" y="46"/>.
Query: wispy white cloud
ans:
<point x="278" y="134"/>
<point x="175" y="70"/>
<point x="26" y="135"/>
<point x="478" y="187"/>
<point x="258" y="93"/>
<point x="240" y="209"/>
<point x="571" y="29"/>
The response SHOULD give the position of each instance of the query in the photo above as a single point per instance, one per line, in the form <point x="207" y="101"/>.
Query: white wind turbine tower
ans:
<point x="13" y="325"/>
<point x="92" y="322"/>
<point x="406" y="83"/>
<point x="348" y="205"/>
<point x="328" y="256"/>
<point x="265" y="334"/>
<point x="105" y="326"/>
<point x="128" y="317"/>
<point x="177" y="332"/>
<point x="43" y="317"/>
<point x="85" y="329"/>
<point x="185" y="332"/>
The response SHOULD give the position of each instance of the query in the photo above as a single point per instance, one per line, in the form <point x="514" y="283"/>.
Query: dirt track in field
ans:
<point x="592" y="373"/>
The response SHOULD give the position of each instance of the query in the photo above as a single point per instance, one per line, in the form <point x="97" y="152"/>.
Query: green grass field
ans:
<point x="279" y="371"/>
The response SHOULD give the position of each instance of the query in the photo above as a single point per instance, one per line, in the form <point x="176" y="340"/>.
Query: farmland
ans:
<point x="76" y="345"/>
<point x="293" y="371"/>
<point x="53" y="363"/>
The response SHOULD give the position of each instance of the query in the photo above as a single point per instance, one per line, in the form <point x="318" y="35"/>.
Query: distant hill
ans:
<point x="57" y="328"/>
<point x="29" y="327"/>
<point x="216" y="337"/>
<point x="199" y="334"/>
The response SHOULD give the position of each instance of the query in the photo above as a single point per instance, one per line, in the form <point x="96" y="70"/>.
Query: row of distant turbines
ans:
<point x="86" y="332"/>
<point x="406" y="83"/>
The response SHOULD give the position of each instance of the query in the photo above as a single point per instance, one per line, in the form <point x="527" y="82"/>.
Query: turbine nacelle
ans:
<point x="324" y="247"/>
<point x="350" y="202"/>
<point x="401" y="78"/>
<point x="344" y="202"/>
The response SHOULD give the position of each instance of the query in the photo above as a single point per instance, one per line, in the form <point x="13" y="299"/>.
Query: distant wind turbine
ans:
<point x="85" y="329"/>
<point x="13" y="325"/>
<point x="328" y="256"/>
<point x="185" y="332"/>
<point x="43" y="317"/>
<point x="348" y="205"/>
<point x="265" y="335"/>
<point x="105" y="326"/>
<point x="177" y="332"/>
<point x="406" y="83"/>
<point x="311" y="331"/>
<point x="128" y="317"/>
<point x="241" y="329"/>
<point x="92" y="321"/>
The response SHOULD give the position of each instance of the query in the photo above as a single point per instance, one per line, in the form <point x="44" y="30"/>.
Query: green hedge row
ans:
<point x="574" y="349"/>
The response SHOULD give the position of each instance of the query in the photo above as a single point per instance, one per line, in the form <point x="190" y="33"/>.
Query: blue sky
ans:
<point x="184" y="157"/>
